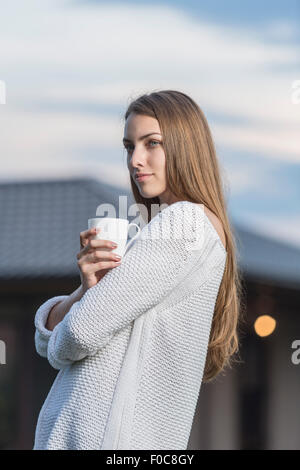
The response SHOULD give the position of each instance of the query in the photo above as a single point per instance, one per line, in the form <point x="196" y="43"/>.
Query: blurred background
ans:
<point x="70" y="69"/>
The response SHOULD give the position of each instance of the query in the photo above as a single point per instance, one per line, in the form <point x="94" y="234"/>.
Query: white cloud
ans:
<point x="282" y="29"/>
<point x="241" y="178"/>
<point x="285" y="228"/>
<point x="130" y="34"/>
<point x="53" y="52"/>
<point x="277" y="143"/>
<point x="47" y="144"/>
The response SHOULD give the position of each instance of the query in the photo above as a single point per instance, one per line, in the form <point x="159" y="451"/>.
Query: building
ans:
<point x="253" y="406"/>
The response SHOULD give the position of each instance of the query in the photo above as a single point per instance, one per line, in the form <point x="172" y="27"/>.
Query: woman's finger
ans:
<point x="105" y="245"/>
<point x="96" y="255"/>
<point x="94" y="267"/>
<point x="84" y="236"/>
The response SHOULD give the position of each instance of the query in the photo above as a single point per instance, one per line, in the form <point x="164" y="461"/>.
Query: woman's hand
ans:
<point x="95" y="258"/>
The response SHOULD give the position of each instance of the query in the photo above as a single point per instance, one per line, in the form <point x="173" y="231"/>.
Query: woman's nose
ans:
<point x="137" y="157"/>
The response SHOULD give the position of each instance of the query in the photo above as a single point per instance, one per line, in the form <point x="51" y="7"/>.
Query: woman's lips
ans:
<point x="143" y="177"/>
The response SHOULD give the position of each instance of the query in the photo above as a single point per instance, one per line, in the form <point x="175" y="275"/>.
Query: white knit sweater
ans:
<point x="131" y="353"/>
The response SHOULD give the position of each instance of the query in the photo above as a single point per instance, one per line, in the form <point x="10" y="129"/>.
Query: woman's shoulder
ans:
<point x="199" y="211"/>
<point x="217" y="225"/>
<point x="179" y="220"/>
<point x="185" y="211"/>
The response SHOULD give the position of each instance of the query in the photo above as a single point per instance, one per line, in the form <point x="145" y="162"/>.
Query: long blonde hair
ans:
<point x="193" y="174"/>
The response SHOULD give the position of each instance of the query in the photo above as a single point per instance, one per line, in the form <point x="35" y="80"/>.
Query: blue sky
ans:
<point x="71" y="68"/>
<point x="232" y="12"/>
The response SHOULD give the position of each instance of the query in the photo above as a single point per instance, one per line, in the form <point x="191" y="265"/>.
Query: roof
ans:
<point x="267" y="259"/>
<point x="41" y="222"/>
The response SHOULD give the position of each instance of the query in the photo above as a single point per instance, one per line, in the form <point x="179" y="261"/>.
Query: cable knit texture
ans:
<point x="131" y="353"/>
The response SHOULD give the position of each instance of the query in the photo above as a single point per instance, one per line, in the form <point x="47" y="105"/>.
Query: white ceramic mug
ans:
<point x="115" y="230"/>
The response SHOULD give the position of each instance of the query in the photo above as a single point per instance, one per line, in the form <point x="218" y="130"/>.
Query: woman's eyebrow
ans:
<point x="142" y="137"/>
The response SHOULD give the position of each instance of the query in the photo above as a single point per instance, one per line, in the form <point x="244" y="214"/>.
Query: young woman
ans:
<point x="135" y="341"/>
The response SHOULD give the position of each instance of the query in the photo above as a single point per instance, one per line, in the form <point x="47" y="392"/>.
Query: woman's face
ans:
<point x="145" y="154"/>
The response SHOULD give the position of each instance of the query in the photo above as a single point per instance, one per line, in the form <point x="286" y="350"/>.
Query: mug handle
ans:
<point x="133" y="238"/>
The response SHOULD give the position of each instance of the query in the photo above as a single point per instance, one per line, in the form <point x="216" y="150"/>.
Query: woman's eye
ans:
<point x="153" y="141"/>
<point x="127" y="146"/>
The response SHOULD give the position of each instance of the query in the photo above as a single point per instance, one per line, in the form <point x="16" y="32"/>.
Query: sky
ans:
<point x="72" y="67"/>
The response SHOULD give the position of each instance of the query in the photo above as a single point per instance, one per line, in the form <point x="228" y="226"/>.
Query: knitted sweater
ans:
<point x="131" y="353"/>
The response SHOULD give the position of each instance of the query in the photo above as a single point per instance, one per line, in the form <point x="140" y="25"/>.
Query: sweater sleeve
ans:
<point x="42" y="334"/>
<point x="149" y="271"/>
